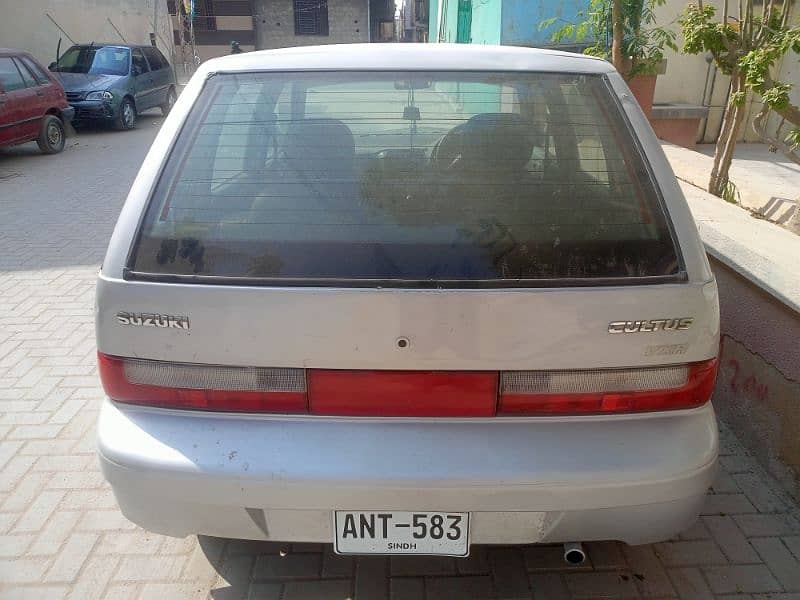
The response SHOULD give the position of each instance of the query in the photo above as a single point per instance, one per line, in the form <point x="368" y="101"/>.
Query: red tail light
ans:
<point x="403" y="393"/>
<point x="607" y="390"/>
<point x="203" y="387"/>
<point x="406" y="393"/>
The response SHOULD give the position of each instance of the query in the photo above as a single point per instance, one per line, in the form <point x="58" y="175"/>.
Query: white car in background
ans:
<point x="405" y="299"/>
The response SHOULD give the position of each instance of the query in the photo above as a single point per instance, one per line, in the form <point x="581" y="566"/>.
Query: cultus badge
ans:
<point x="650" y="325"/>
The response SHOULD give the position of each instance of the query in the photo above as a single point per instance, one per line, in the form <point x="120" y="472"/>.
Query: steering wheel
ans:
<point x="441" y="152"/>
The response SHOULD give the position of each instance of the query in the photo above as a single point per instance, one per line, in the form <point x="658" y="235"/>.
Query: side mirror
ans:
<point x="136" y="70"/>
<point x="53" y="66"/>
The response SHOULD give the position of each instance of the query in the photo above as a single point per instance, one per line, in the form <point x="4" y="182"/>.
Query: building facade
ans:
<point x="216" y="24"/>
<point x="507" y="22"/>
<point x="265" y="24"/>
<point x="414" y="20"/>
<point x="283" y="23"/>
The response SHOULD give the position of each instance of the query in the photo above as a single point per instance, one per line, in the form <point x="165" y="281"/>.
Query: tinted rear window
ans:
<point x="416" y="177"/>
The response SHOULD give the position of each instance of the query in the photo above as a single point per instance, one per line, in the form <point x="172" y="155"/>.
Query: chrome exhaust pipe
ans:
<point x="574" y="554"/>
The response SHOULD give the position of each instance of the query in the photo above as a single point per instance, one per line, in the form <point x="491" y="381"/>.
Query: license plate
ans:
<point x="398" y="532"/>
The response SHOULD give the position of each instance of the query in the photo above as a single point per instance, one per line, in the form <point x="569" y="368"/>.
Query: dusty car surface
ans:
<point x="405" y="299"/>
<point x="32" y="103"/>
<point x="114" y="83"/>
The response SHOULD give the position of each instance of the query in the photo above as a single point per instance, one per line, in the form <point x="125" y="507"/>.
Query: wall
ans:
<point x="790" y="71"/>
<point x="84" y="21"/>
<point x="758" y="387"/>
<point x="685" y="77"/>
<point x="521" y="20"/>
<point x="443" y="21"/>
<point x="348" y="22"/>
<point x="486" y="21"/>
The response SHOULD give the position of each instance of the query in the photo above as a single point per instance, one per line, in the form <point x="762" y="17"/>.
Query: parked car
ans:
<point x="32" y="103"/>
<point x="114" y="83"/>
<point x="404" y="299"/>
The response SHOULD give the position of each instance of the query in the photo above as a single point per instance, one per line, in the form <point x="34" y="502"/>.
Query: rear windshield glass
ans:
<point x="422" y="177"/>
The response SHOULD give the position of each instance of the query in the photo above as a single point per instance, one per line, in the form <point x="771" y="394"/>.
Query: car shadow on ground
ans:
<point x="85" y="132"/>
<point x="149" y="118"/>
<point x="267" y="570"/>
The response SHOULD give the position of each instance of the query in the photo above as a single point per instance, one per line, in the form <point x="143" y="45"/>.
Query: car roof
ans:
<point x="112" y="44"/>
<point x="409" y="56"/>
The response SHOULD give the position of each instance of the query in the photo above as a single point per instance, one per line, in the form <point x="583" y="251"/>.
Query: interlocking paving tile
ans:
<point x="690" y="583"/>
<point x="731" y="540"/>
<point x="422" y="565"/>
<point x="780" y="561"/>
<point x="727" y="504"/>
<point x="478" y="587"/>
<point x="767" y="525"/>
<point x="550" y="586"/>
<point x="323" y="589"/>
<point x="601" y="585"/>
<point x="741" y="578"/>
<point x="687" y="554"/>
<point x="291" y="566"/>
<point x="407" y="588"/>
<point x="648" y="571"/>
<point x="372" y="578"/>
<point x="508" y="573"/>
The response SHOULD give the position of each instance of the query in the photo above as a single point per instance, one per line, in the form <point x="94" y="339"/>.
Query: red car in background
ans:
<point x="33" y="105"/>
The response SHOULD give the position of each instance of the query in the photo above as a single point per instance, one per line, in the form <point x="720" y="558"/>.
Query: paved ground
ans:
<point x="767" y="183"/>
<point x="755" y="165"/>
<point x="61" y="535"/>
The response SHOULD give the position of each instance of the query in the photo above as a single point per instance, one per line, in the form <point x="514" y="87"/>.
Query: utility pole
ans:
<point x="182" y="37"/>
<point x="186" y="9"/>
<point x="155" y="18"/>
<point x="260" y="23"/>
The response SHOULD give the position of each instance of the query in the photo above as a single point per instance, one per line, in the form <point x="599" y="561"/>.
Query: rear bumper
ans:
<point x="637" y="478"/>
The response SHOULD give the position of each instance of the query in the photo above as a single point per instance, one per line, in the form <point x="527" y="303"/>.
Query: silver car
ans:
<point x="405" y="299"/>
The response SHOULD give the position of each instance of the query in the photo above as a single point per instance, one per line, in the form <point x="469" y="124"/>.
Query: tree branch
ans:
<point x="618" y="33"/>
<point x="760" y="127"/>
<point x="787" y="9"/>
<point x="766" y="14"/>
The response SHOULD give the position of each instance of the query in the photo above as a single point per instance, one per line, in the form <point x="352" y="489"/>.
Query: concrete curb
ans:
<point x="762" y="252"/>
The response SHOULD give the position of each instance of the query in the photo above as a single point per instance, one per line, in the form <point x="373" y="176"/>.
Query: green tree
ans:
<point x="746" y="45"/>
<point x="636" y="44"/>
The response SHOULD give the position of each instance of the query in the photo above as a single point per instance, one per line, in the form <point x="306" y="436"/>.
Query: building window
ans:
<point x="204" y="19"/>
<point x="311" y="17"/>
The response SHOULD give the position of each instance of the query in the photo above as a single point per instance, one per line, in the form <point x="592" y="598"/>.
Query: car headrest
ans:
<point x="319" y="145"/>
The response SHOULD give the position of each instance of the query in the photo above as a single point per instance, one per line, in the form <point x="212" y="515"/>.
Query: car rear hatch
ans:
<point x="412" y="245"/>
